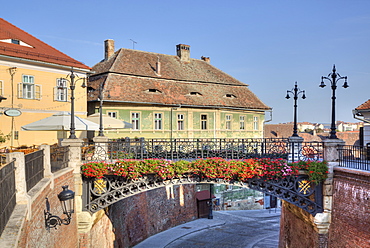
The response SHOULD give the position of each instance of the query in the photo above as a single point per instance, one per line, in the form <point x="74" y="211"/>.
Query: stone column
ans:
<point x="84" y="221"/>
<point x="322" y="220"/>
<point x="47" y="162"/>
<point x="20" y="176"/>
<point x="295" y="144"/>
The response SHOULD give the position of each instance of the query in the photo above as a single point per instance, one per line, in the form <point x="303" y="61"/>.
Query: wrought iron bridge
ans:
<point x="101" y="193"/>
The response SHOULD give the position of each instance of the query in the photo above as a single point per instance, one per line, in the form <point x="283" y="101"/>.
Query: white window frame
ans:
<point x="228" y="119"/>
<point x="158" y="121"/>
<point x="242" y="122"/>
<point x="203" y="122"/>
<point x="61" y="90"/>
<point x="135" y="120"/>
<point x="180" y="122"/>
<point x="112" y="114"/>
<point x="28" y="89"/>
<point x="255" y="123"/>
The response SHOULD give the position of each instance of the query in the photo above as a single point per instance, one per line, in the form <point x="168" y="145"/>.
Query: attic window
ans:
<point x="154" y="91"/>
<point x="194" y="93"/>
<point x="230" y="96"/>
<point x="15" y="41"/>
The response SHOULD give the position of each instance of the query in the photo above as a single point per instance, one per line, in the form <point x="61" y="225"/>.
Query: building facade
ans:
<point x="31" y="80"/>
<point x="172" y="96"/>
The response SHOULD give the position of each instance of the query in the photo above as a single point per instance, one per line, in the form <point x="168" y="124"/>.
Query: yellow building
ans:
<point x="34" y="80"/>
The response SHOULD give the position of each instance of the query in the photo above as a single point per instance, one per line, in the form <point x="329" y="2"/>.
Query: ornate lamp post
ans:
<point x="333" y="78"/>
<point x="295" y="92"/>
<point x="72" y="84"/>
<point x="101" y="98"/>
<point x="66" y="198"/>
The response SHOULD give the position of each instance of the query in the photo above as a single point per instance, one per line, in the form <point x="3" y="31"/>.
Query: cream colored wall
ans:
<point x="33" y="110"/>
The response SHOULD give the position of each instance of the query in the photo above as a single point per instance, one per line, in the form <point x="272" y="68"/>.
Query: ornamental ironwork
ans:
<point x="189" y="149"/>
<point x="100" y="193"/>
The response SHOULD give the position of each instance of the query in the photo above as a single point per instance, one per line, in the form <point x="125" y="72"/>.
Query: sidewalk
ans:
<point x="162" y="239"/>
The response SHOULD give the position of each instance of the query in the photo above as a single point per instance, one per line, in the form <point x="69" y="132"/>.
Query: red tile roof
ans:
<point x="364" y="106"/>
<point x="129" y="74"/>
<point x="37" y="50"/>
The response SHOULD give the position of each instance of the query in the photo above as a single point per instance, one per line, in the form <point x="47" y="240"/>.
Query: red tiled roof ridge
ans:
<point x="32" y="41"/>
<point x="39" y="54"/>
<point x="365" y="105"/>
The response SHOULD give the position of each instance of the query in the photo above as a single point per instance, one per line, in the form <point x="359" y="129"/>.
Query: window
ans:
<point x="242" y="122"/>
<point x="194" y="93"/>
<point x="112" y="114"/>
<point x="1" y="88"/>
<point x="157" y="121"/>
<point x="180" y="122"/>
<point x="255" y="123"/>
<point x="28" y="89"/>
<point x="15" y="41"/>
<point x="228" y="122"/>
<point x="61" y="91"/>
<point x="135" y="120"/>
<point x="203" y="124"/>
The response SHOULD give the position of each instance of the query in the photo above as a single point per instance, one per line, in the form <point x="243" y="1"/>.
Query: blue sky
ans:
<point x="266" y="44"/>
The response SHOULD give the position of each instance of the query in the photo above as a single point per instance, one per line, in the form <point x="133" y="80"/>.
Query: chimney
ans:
<point x="183" y="51"/>
<point x="158" y="67"/>
<point x="206" y="59"/>
<point x="109" y="48"/>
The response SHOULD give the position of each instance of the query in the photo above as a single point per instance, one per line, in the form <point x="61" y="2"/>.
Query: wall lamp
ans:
<point x="66" y="198"/>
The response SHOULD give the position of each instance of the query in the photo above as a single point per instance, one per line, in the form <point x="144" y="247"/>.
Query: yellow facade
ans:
<point x="37" y="98"/>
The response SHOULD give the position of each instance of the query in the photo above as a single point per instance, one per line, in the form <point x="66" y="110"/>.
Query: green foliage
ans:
<point x="3" y="137"/>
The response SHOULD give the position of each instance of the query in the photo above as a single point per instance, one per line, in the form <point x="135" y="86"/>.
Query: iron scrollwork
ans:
<point x="101" y="193"/>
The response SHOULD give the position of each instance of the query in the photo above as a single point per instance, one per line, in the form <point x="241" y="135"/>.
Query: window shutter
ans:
<point x="1" y="88"/>
<point x="20" y="90"/>
<point x="38" y="91"/>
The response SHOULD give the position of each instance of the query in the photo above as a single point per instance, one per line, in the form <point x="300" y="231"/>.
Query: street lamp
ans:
<point x="295" y="92"/>
<point x="333" y="78"/>
<point x="72" y="84"/>
<point x="101" y="98"/>
<point x="66" y="198"/>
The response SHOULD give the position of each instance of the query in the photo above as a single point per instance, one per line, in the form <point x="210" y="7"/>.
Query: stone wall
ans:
<point x="351" y="209"/>
<point x="34" y="233"/>
<point x="296" y="228"/>
<point x="138" y="217"/>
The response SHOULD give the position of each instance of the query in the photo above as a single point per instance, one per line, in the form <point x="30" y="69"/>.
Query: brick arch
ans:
<point x="101" y="193"/>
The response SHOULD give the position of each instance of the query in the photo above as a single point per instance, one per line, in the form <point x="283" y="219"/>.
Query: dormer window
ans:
<point x="15" y="41"/>
<point x="194" y="93"/>
<point x="154" y="91"/>
<point x="230" y="96"/>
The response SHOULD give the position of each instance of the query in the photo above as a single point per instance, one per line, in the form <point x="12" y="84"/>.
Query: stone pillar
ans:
<point x="20" y="176"/>
<point x="295" y="144"/>
<point x="322" y="220"/>
<point x="47" y="162"/>
<point x="84" y="220"/>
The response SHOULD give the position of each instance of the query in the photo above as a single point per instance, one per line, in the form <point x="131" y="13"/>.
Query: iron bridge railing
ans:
<point x="355" y="157"/>
<point x="7" y="193"/>
<point x="190" y="149"/>
<point x="34" y="166"/>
